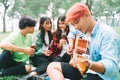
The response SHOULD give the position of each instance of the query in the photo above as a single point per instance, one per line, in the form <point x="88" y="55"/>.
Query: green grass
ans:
<point x="8" y="78"/>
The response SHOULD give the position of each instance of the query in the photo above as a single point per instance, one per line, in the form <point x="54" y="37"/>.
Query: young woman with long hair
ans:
<point x="43" y="52"/>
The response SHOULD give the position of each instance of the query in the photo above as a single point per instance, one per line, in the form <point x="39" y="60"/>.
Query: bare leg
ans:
<point x="54" y="71"/>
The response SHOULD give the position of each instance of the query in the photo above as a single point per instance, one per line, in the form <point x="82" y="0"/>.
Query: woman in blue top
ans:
<point x="103" y="49"/>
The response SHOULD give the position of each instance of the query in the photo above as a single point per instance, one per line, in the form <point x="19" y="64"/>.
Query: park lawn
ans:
<point x="8" y="78"/>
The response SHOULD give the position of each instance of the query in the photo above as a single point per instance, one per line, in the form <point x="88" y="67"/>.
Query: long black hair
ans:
<point x="42" y="20"/>
<point x="59" y="32"/>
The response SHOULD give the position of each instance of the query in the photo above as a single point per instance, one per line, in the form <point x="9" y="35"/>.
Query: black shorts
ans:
<point x="73" y="73"/>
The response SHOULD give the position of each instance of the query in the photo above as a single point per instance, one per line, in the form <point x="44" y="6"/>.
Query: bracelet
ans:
<point x="90" y="65"/>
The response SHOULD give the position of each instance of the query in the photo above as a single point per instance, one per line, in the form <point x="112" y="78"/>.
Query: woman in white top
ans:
<point x="43" y="53"/>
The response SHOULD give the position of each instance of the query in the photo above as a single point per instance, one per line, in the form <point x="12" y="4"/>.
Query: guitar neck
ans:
<point x="75" y="45"/>
<point x="80" y="45"/>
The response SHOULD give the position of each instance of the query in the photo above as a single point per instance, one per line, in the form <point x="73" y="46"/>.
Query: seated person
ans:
<point x="103" y="49"/>
<point x="60" y="39"/>
<point x="16" y="49"/>
<point x="43" y="52"/>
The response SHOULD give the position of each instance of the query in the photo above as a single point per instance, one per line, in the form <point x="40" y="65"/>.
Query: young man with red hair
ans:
<point x="103" y="48"/>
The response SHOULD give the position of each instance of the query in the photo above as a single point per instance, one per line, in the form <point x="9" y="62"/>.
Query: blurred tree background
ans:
<point x="106" y="10"/>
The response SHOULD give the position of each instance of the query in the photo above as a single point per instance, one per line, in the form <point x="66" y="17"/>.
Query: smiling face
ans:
<point x="61" y="25"/>
<point x="47" y="25"/>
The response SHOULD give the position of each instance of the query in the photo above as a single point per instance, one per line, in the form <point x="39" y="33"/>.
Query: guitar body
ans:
<point x="81" y="46"/>
<point x="80" y="49"/>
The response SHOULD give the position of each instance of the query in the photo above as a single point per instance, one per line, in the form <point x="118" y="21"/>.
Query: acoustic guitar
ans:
<point x="80" y="49"/>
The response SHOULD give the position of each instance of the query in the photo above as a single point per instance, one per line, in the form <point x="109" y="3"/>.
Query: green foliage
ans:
<point x="114" y="5"/>
<point x="99" y="8"/>
<point x="35" y="7"/>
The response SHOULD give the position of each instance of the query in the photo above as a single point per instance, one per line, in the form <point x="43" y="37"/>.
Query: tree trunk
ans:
<point x="4" y="25"/>
<point x="12" y="24"/>
<point x="118" y="22"/>
<point x="89" y="3"/>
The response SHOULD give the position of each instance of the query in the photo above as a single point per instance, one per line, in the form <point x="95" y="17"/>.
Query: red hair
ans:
<point x="76" y="11"/>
